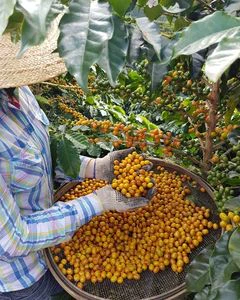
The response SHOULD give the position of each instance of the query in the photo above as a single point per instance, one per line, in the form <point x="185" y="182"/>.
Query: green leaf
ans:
<point x="234" y="136"/>
<point x="120" y="7"/>
<point x="34" y="27"/>
<point x="222" y="265"/>
<point x="233" y="179"/>
<point x="14" y="26"/>
<point x="135" y="76"/>
<point x="175" y="7"/>
<point x="105" y="146"/>
<point x="142" y="3"/>
<point x="143" y="120"/>
<point x="227" y="51"/>
<point x="153" y="12"/>
<point x="157" y="71"/>
<point x="113" y="56"/>
<point x="198" y="273"/>
<point x="79" y="140"/>
<point x="181" y="23"/>
<point x="232" y="6"/>
<point x="83" y="33"/>
<point x="6" y="10"/>
<point x="229" y="291"/>
<point x="151" y="34"/>
<point x="233" y="204"/>
<point x="81" y="127"/>
<point x="43" y="102"/>
<point x="234" y="246"/>
<point x="231" y="105"/>
<point x="94" y="150"/>
<point x="135" y="43"/>
<point x="205" y="32"/>
<point x="204" y="294"/>
<point x="68" y="157"/>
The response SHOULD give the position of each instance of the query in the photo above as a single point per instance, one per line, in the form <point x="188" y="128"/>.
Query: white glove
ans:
<point x="102" y="168"/>
<point x="114" y="200"/>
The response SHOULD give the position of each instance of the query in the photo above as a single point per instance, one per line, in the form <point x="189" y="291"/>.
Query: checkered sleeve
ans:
<point x="20" y="235"/>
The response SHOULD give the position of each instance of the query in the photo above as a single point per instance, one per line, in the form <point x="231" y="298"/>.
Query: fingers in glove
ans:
<point x="149" y="166"/>
<point x="151" y="192"/>
<point x="137" y="202"/>
<point x="131" y="202"/>
<point x="121" y="154"/>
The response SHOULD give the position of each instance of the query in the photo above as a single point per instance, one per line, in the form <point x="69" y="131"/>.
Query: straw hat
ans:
<point x="37" y="64"/>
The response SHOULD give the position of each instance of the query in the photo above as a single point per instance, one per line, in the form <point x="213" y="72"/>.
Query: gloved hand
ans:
<point x="102" y="168"/>
<point x="114" y="200"/>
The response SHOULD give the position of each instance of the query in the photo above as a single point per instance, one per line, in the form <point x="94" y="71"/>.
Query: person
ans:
<point x="29" y="221"/>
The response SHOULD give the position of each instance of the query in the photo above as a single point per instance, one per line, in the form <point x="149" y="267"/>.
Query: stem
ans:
<point x="61" y="85"/>
<point x="206" y="5"/>
<point x="194" y="160"/>
<point x="212" y="103"/>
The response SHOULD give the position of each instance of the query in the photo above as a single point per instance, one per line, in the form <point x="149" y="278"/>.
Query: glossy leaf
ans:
<point x="198" y="272"/>
<point x="142" y="2"/>
<point x="229" y="291"/>
<point x="151" y="34"/>
<point x="232" y="204"/>
<point x="233" y="179"/>
<point x="143" y="120"/>
<point x="135" y="42"/>
<point x="204" y="294"/>
<point x="234" y="246"/>
<point x="227" y="51"/>
<point x="222" y="265"/>
<point x="197" y="63"/>
<point x="113" y="56"/>
<point x="181" y="23"/>
<point x="79" y="140"/>
<point x="14" y="26"/>
<point x="231" y="105"/>
<point x="234" y="136"/>
<point x="34" y="29"/>
<point x="153" y="12"/>
<point x="232" y="6"/>
<point x="6" y="10"/>
<point x="157" y="72"/>
<point x="94" y="150"/>
<point x="120" y="7"/>
<point x="106" y="146"/>
<point x="68" y="158"/>
<point x="84" y="31"/>
<point x="175" y="7"/>
<point x="205" y="32"/>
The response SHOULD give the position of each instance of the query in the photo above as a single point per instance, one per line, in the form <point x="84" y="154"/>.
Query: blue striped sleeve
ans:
<point x="87" y="207"/>
<point x="20" y="235"/>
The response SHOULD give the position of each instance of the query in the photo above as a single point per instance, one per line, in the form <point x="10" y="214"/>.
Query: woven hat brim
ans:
<point x="37" y="64"/>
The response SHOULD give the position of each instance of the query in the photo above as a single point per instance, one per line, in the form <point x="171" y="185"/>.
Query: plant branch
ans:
<point x="212" y="103"/>
<point x="194" y="160"/>
<point x="206" y="5"/>
<point x="72" y="87"/>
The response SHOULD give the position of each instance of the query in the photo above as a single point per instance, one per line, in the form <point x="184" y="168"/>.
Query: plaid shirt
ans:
<point x="28" y="221"/>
